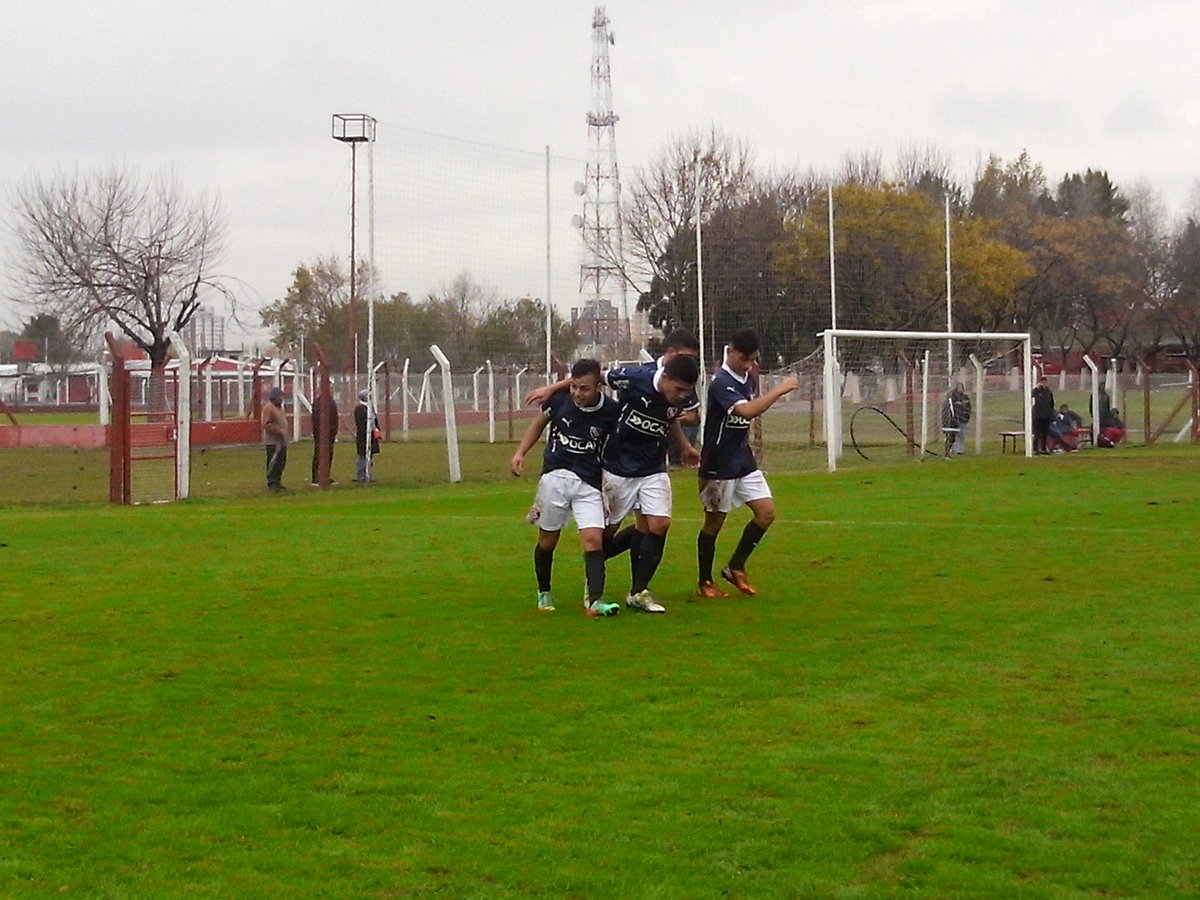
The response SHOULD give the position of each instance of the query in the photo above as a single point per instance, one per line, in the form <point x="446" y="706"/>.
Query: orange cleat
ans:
<point x="738" y="579"/>
<point x="710" y="589"/>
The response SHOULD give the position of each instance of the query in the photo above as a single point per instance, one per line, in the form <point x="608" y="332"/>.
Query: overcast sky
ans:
<point x="239" y="96"/>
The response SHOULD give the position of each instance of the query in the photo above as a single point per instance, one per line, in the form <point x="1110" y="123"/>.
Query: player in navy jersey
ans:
<point x="652" y="400"/>
<point x="729" y="475"/>
<point x="581" y="422"/>
<point x="644" y="450"/>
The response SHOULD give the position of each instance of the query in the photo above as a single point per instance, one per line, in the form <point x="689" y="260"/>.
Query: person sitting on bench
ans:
<point x="1063" y="434"/>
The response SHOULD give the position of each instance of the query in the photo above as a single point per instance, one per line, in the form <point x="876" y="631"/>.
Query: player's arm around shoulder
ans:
<point x="539" y="396"/>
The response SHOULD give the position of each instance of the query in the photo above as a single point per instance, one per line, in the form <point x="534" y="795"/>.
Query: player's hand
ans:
<point x="690" y="457"/>
<point x="516" y="465"/>
<point x="539" y="395"/>
<point x="789" y="384"/>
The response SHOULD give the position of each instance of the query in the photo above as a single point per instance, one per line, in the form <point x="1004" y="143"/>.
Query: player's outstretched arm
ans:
<point x="516" y="465"/>
<point x="540" y="395"/>
<point x="759" y="405"/>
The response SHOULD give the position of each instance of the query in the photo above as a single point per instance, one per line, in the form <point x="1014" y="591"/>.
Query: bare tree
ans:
<point x="661" y="203"/>
<point x="113" y="246"/>
<point x="659" y="215"/>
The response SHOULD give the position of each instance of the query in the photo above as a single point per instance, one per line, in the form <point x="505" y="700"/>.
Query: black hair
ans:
<point x="681" y="339"/>
<point x="745" y="340"/>
<point x="682" y="368"/>
<point x="584" y="367"/>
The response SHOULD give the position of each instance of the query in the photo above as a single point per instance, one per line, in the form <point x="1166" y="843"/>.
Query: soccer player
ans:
<point x="729" y="476"/>
<point x="580" y="420"/>
<point x="680" y="342"/>
<point x="652" y="399"/>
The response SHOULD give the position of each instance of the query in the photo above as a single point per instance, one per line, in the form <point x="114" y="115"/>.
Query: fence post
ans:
<point x="183" y="415"/>
<point x="448" y="408"/>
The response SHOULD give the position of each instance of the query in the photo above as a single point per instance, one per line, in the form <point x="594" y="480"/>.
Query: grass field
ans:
<point x="967" y="679"/>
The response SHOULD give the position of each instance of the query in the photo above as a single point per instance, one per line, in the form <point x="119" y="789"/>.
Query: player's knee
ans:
<point x="764" y="517"/>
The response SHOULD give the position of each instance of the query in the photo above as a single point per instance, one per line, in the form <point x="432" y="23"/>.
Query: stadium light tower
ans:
<point x="353" y="129"/>
<point x="603" y="269"/>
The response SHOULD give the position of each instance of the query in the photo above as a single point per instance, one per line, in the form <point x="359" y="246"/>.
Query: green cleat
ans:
<point x="599" y="609"/>
<point x="545" y="601"/>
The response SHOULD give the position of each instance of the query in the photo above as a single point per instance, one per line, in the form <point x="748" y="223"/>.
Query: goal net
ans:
<point x="879" y="398"/>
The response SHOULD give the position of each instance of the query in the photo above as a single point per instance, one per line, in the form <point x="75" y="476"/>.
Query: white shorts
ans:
<point x="649" y="493"/>
<point x="561" y="495"/>
<point x="727" y="494"/>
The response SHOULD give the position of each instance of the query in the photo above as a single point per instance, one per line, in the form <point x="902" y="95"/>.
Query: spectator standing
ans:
<point x="362" y="415"/>
<point x="956" y="413"/>
<point x="275" y="438"/>
<point x="1043" y="413"/>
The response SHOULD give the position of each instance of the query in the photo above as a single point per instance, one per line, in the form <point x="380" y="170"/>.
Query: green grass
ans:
<point x="974" y="679"/>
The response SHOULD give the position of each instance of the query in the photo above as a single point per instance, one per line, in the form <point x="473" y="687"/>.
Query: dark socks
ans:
<point x="593" y="567"/>
<point x="751" y="535"/>
<point x="619" y="542"/>
<point x="706" y="550"/>
<point x="542" y="562"/>
<point x="635" y="552"/>
<point x="649" y="556"/>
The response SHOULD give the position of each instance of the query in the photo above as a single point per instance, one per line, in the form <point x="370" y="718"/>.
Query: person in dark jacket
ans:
<point x="956" y="413"/>
<point x="1043" y="414"/>
<point x="361" y="417"/>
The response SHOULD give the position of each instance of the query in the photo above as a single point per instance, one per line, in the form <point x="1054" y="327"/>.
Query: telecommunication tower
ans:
<point x="602" y="273"/>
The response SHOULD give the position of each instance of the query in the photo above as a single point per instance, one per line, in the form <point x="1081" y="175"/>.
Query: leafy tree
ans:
<point x="1012" y="194"/>
<point x="1183" y="307"/>
<point x="890" y="257"/>
<point x="986" y="277"/>
<point x="114" y="246"/>
<point x="469" y="323"/>
<point x="315" y="309"/>
<point x="56" y="349"/>
<point x="1091" y="195"/>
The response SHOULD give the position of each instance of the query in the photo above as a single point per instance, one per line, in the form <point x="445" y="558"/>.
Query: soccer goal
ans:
<point x="885" y="395"/>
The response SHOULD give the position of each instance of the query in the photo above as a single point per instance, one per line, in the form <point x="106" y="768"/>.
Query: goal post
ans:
<point x="149" y="433"/>
<point x="883" y="392"/>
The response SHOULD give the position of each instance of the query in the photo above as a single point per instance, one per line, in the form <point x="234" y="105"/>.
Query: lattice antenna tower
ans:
<point x="601" y="275"/>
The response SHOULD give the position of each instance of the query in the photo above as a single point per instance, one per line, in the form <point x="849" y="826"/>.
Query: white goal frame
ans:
<point x="832" y="375"/>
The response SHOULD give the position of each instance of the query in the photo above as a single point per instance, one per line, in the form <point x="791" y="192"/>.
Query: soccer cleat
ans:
<point x="738" y="579"/>
<point x="545" y="601"/>
<point x="598" y="609"/>
<point x="710" y="589"/>
<point x="644" y="601"/>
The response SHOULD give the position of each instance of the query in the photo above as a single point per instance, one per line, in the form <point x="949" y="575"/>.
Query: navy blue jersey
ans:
<point x="639" y="442"/>
<point x="726" y="451"/>
<point x="577" y="435"/>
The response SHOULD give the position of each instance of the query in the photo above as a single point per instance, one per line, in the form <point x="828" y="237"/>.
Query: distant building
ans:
<point x="598" y="323"/>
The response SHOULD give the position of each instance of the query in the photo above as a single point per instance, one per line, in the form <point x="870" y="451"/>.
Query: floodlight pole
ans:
<point x="949" y="303"/>
<point x="353" y="129"/>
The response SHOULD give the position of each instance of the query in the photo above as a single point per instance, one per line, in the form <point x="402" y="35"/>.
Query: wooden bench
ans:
<point x="1017" y="439"/>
